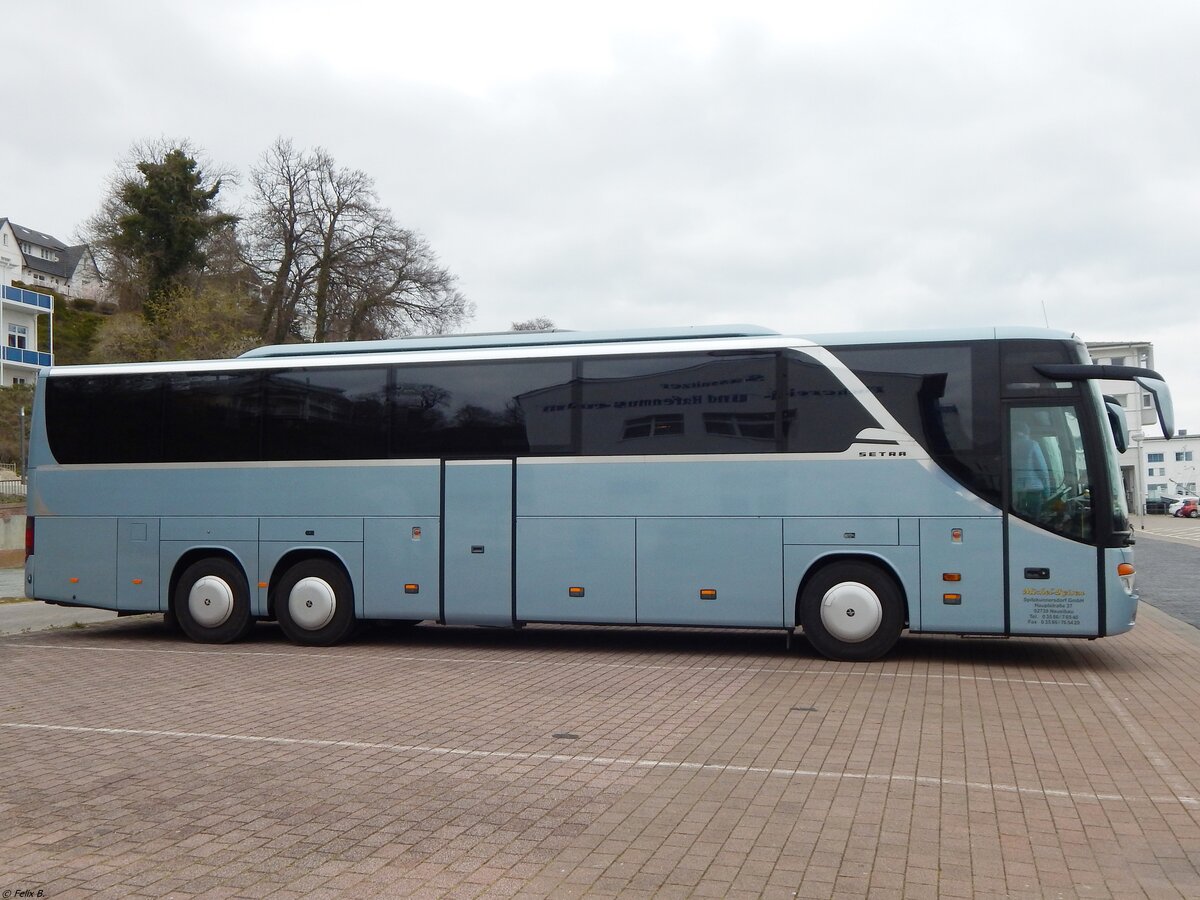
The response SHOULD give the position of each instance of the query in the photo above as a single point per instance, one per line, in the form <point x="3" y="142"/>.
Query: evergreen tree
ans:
<point x="169" y="216"/>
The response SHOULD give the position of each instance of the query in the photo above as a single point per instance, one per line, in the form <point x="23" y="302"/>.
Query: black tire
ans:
<point x="211" y="603"/>
<point x="1194" y="514"/>
<point x="314" y="603"/>
<point x="834" y="603"/>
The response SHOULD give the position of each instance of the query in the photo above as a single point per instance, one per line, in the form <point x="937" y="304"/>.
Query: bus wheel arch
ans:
<point x="209" y="597"/>
<point x="312" y="597"/>
<point x="851" y="607"/>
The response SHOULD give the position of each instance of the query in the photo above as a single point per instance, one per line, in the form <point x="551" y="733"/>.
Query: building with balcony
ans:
<point x="21" y="318"/>
<point x="26" y="317"/>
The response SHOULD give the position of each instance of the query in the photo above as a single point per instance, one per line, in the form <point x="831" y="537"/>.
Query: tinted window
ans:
<point x="480" y="409"/>
<point x="326" y="414"/>
<point x="686" y="403"/>
<point x="945" y="396"/>
<point x="212" y="417"/>
<point x="1021" y="378"/>
<point x="105" y="418"/>
<point x="821" y="414"/>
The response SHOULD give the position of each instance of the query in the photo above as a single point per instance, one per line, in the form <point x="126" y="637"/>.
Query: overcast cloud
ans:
<point x="808" y="168"/>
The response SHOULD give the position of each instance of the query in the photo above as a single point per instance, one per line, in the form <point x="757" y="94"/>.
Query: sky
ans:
<point x="807" y="166"/>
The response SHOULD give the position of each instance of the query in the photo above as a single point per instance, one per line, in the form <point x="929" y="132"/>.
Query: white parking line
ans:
<point x="625" y="762"/>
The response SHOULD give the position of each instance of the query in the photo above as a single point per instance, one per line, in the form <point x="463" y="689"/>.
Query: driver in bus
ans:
<point x="1031" y="475"/>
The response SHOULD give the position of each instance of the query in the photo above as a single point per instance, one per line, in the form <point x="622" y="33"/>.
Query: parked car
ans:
<point x="1188" y="508"/>
<point x="1157" y="505"/>
<point x="1177" y="502"/>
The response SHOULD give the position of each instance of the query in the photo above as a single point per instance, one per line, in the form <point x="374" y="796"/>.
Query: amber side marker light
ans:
<point x="708" y="594"/>
<point x="575" y="592"/>
<point x="952" y="599"/>
<point x="412" y="589"/>
<point x="951" y="576"/>
<point x="1125" y="573"/>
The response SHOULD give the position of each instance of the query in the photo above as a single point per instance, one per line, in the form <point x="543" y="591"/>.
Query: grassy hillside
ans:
<point x="12" y="399"/>
<point x="74" y="331"/>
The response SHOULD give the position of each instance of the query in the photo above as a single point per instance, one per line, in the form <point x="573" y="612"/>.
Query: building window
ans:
<point x="18" y="380"/>
<point x="18" y="336"/>
<point x="1154" y="457"/>
<point x="1184" y="456"/>
<point x="653" y="426"/>
<point x="1118" y="361"/>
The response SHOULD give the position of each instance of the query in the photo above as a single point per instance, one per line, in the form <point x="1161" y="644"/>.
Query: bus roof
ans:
<point x="510" y="345"/>
<point x="503" y="339"/>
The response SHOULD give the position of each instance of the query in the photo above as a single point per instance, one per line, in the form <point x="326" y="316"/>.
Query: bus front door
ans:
<point x="477" y="547"/>
<point x="1053" y="574"/>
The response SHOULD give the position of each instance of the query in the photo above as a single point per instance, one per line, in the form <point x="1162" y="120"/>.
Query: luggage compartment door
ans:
<point x="477" y="550"/>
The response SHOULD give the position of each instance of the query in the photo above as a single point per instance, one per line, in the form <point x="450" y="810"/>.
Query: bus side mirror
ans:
<point x="1163" y="405"/>
<point x="1116" y="418"/>
<point x="1147" y="379"/>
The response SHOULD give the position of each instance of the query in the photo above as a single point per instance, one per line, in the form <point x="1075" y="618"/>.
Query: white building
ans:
<point x="41" y="260"/>
<point x="1171" y="466"/>
<point x="25" y="315"/>
<point x="1149" y="467"/>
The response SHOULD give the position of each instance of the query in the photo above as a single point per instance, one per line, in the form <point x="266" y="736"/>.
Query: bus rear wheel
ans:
<point x="212" y="601"/>
<point x="315" y="603"/>
<point x="852" y="611"/>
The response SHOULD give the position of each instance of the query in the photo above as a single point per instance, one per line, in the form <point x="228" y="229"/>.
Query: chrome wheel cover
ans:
<point x="312" y="603"/>
<point x="851" y="612"/>
<point x="210" y="601"/>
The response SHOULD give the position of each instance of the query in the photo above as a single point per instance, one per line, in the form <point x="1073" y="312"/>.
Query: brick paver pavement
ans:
<point x="563" y="762"/>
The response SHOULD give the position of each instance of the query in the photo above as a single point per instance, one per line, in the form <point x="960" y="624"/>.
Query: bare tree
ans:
<point x="279" y="231"/>
<point x="333" y="262"/>
<point x="541" y="323"/>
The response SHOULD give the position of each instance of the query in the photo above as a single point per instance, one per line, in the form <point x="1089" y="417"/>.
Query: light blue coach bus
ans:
<point x="852" y="486"/>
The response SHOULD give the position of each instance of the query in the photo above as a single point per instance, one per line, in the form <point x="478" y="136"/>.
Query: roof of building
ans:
<point x="36" y="237"/>
<point x="68" y="257"/>
<point x="73" y="255"/>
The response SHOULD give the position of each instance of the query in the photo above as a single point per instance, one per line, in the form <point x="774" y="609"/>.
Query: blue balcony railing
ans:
<point x="27" y="357"/>
<point x="29" y="298"/>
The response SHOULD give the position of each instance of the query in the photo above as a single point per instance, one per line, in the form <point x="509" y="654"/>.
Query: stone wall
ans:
<point x="12" y="527"/>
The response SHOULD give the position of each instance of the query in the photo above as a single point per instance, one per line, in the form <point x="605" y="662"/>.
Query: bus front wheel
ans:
<point x="212" y="601"/>
<point x="315" y="603"/>
<point x="852" y="611"/>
